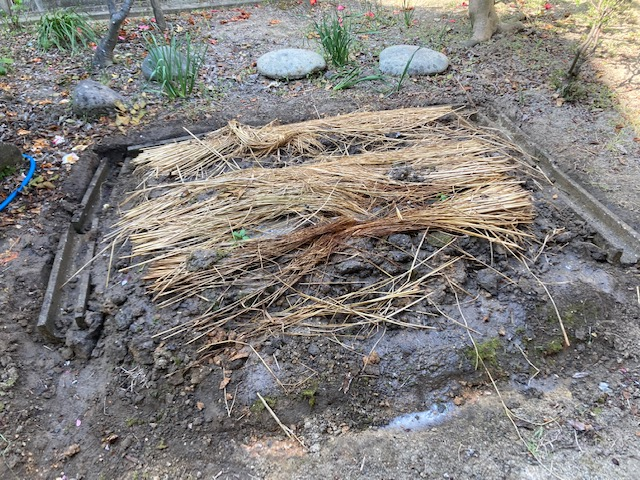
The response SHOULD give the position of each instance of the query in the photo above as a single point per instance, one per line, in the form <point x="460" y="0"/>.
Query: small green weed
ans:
<point x="67" y="30"/>
<point x="177" y="64"/>
<point x="258" y="406"/>
<point x="533" y="443"/>
<point x="335" y="37"/>
<point x="353" y="77"/>
<point x="239" y="235"/>
<point x="405" y="73"/>
<point x="310" y="393"/>
<point x="7" y="171"/>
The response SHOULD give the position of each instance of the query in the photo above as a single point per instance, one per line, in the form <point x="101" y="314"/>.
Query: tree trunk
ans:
<point x="104" y="53"/>
<point x="157" y="12"/>
<point x="484" y="20"/>
<point x="5" y="5"/>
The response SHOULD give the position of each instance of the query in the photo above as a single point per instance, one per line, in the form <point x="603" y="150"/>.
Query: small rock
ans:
<point x="488" y="280"/>
<point x="290" y="63"/>
<point x="10" y="156"/>
<point x="93" y="98"/>
<point x="350" y="266"/>
<point x="176" y="61"/>
<point x="176" y="378"/>
<point x="424" y="61"/>
<point x="314" y="350"/>
<point x="142" y="351"/>
<point x="401" y="240"/>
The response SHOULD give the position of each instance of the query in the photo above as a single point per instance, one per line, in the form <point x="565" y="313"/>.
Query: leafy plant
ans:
<point x="7" y="171"/>
<point x="4" y="65"/>
<point x="335" y="37"/>
<point x="239" y="235"/>
<point x="176" y="64"/>
<point x="67" y="30"/>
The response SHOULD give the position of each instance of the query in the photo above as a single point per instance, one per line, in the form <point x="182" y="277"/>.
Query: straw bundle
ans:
<point x="297" y="217"/>
<point x="199" y="158"/>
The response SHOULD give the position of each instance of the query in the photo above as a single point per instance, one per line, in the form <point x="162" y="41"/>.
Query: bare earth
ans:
<point x="143" y="407"/>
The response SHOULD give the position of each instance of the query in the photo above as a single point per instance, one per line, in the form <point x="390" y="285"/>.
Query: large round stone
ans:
<point x="10" y="157"/>
<point x="176" y="62"/>
<point x="91" y="97"/>
<point x="290" y="63"/>
<point x="393" y="60"/>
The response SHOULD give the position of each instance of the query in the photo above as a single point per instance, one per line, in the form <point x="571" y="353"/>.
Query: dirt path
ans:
<point x="140" y="407"/>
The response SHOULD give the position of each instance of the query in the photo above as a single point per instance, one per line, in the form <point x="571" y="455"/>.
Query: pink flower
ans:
<point x="370" y="14"/>
<point x="548" y="6"/>
<point x="144" y="27"/>
<point x="340" y="8"/>
<point x="121" y="38"/>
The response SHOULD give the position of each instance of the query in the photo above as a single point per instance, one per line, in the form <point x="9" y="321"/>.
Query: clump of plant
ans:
<point x="336" y="38"/>
<point x="66" y="29"/>
<point x="177" y="63"/>
<point x="351" y="77"/>
<point x="4" y="65"/>
<point x="408" y="12"/>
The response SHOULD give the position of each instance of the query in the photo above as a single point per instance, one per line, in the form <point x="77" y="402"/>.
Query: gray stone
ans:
<point x="10" y="157"/>
<point x="290" y="63"/>
<point x="488" y="279"/>
<point x="393" y="60"/>
<point x="176" y="61"/>
<point x="90" y="97"/>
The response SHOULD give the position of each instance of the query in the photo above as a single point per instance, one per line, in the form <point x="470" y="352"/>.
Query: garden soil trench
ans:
<point x="135" y="405"/>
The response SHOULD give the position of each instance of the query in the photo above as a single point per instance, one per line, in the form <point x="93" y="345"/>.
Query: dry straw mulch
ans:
<point x="244" y="239"/>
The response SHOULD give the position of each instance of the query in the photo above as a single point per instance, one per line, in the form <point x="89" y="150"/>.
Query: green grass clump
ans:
<point x="67" y="30"/>
<point x="177" y="64"/>
<point x="336" y="38"/>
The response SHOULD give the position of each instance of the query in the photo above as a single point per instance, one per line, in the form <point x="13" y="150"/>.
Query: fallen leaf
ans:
<point x="372" y="359"/>
<point x="24" y="132"/>
<point x="7" y="257"/>
<point x="274" y="22"/>
<point x="225" y="381"/>
<point x="199" y="405"/>
<point x="71" y="451"/>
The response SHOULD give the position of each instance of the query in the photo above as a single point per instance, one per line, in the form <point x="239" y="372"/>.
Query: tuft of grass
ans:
<point x="408" y="12"/>
<point x="353" y="77"/>
<point x="177" y="64"/>
<point x="405" y="73"/>
<point x="66" y="29"/>
<point x="336" y="38"/>
<point x="5" y="62"/>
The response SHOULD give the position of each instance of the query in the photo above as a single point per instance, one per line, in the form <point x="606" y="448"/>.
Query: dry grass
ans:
<point x="414" y="173"/>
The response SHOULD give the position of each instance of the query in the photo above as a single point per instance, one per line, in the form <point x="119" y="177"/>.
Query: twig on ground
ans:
<point x="284" y="428"/>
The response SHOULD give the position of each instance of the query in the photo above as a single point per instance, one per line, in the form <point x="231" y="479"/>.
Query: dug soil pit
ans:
<point x="389" y="294"/>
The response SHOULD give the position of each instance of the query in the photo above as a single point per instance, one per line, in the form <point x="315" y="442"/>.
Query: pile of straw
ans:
<point x="436" y="176"/>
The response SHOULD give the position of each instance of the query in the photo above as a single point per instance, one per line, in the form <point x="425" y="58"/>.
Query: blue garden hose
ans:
<point x="27" y="179"/>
